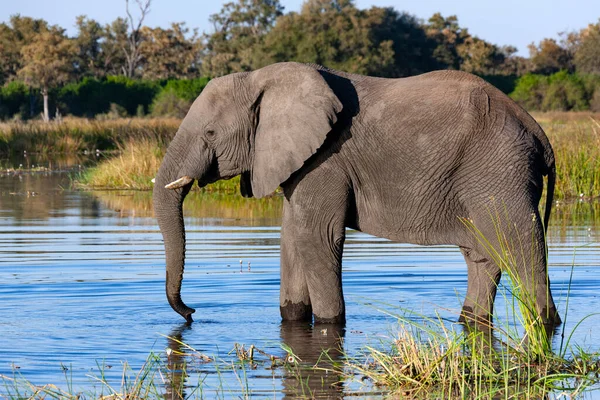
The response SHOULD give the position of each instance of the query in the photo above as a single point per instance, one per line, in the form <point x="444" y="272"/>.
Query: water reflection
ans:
<point x="319" y="352"/>
<point x="176" y="364"/>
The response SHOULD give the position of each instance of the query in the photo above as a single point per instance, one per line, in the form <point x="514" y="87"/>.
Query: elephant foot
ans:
<point x="295" y="311"/>
<point x="337" y="320"/>
<point x="476" y="320"/>
<point x="550" y="317"/>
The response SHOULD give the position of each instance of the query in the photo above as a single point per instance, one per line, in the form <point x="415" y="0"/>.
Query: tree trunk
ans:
<point x="46" y="111"/>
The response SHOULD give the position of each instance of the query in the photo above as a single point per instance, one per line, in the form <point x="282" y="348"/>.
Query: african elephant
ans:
<point x="404" y="159"/>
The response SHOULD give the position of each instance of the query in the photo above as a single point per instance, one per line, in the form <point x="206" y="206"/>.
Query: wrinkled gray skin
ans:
<point x="404" y="159"/>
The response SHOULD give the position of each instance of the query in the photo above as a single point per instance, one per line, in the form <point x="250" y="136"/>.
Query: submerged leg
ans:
<point x="483" y="278"/>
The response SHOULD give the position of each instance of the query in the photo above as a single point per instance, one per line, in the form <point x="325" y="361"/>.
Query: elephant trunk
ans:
<point x="169" y="213"/>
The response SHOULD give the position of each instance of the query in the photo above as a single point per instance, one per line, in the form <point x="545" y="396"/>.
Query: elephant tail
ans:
<point x="549" y="194"/>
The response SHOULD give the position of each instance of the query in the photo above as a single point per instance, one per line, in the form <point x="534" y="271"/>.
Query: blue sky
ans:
<point x="514" y="22"/>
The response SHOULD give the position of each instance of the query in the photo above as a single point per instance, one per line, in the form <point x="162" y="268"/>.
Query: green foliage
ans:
<point x="176" y="97"/>
<point x="14" y="99"/>
<point x="561" y="91"/>
<point x="565" y="92"/>
<point x="168" y="104"/>
<point x="187" y="89"/>
<point x="530" y="90"/>
<point x="94" y="96"/>
<point x="377" y="41"/>
<point x="506" y="83"/>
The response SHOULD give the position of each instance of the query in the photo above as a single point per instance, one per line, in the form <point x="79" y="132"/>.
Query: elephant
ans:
<point x="407" y="159"/>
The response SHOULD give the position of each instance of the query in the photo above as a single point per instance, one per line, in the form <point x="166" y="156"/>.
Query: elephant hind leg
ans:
<point x="514" y="241"/>
<point x="483" y="278"/>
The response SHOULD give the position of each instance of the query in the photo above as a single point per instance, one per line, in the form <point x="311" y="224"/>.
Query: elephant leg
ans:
<point x="294" y="302"/>
<point x="532" y="272"/>
<point x="312" y="244"/>
<point x="519" y="248"/>
<point x="483" y="278"/>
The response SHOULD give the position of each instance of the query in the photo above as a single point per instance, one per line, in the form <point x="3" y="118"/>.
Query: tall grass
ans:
<point x="575" y="138"/>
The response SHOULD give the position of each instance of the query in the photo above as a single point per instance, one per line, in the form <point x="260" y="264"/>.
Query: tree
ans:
<point x="89" y="52"/>
<point x="13" y="37"/>
<point x="112" y="45"/>
<point x="587" y="53"/>
<point x="448" y="35"/>
<point x="334" y="33"/>
<point x="549" y="57"/>
<point x="168" y="54"/>
<point x="131" y="49"/>
<point x="239" y="30"/>
<point x="47" y="62"/>
<point x="479" y="57"/>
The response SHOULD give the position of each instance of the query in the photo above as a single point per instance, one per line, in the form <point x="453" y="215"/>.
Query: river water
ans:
<point x="82" y="291"/>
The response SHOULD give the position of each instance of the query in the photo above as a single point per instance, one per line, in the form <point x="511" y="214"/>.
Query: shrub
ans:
<point x="561" y="91"/>
<point x="530" y="90"/>
<point x="93" y="96"/>
<point x="168" y="104"/>
<point x="176" y="97"/>
<point x="565" y="92"/>
<point x="14" y="100"/>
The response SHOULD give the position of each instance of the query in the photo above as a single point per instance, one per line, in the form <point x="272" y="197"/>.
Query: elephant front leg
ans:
<point x="312" y="241"/>
<point x="483" y="278"/>
<point x="294" y="300"/>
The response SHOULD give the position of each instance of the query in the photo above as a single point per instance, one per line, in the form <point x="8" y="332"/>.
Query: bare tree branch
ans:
<point x="132" y="50"/>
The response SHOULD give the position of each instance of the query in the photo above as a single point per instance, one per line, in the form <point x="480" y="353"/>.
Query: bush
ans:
<point x="530" y="90"/>
<point x="561" y="91"/>
<point x="565" y="92"/>
<point x="187" y="89"/>
<point x="176" y="97"/>
<point x="14" y="100"/>
<point x="168" y="104"/>
<point x="91" y="96"/>
<point x="506" y="83"/>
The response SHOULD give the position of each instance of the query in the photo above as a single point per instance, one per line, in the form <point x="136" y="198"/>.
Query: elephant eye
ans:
<point x="210" y="134"/>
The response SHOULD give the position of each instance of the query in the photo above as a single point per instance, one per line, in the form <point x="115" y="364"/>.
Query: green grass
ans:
<point x="165" y="375"/>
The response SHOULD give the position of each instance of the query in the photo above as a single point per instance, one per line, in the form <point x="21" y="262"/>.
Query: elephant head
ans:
<point x="263" y="125"/>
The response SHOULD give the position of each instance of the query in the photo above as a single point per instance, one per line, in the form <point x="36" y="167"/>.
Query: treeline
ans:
<point x="127" y="68"/>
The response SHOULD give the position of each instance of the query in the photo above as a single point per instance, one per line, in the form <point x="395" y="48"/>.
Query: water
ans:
<point x="82" y="289"/>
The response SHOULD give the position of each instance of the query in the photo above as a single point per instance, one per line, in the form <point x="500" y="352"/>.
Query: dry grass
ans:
<point x="74" y="135"/>
<point x="133" y="168"/>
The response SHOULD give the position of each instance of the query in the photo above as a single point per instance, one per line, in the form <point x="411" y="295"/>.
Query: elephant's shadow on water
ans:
<point x="311" y="345"/>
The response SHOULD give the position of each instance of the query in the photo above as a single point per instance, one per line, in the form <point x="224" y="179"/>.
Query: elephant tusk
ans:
<point x="181" y="182"/>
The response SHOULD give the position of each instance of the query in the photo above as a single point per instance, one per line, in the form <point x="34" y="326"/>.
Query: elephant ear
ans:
<point x="296" y="110"/>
